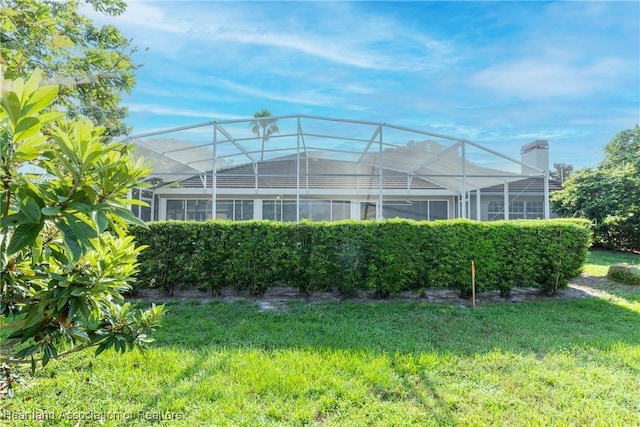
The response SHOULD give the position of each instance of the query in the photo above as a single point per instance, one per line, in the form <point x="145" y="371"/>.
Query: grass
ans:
<point x="598" y="261"/>
<point x="563" y="362"/>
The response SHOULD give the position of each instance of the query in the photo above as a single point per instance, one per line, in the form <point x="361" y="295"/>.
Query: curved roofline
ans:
<point x="296" y="116"/>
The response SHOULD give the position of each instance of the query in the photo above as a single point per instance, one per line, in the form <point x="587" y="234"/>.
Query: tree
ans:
<point x="65" y="256"/>
<point x="263" y="122"/>
<point x="561" y="171"/>
<point x="623" y="149"/>
<point x="598" y="193"/>
<point x="92" y="66"/>
<point x="609" y="194"/>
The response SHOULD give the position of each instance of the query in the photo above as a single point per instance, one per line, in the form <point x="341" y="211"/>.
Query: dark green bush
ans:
<point x="381" y="257"/>
<point x="619" y="233"/>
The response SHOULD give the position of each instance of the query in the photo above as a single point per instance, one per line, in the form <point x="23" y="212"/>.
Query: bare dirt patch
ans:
<point x="275" y="298"/>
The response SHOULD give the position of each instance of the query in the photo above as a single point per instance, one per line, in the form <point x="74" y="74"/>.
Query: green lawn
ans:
<point x="598" y="261"/>
<point x="564" y="362"/>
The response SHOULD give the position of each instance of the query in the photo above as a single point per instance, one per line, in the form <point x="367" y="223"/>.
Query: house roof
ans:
<point x="315" y="173"/>
<point x="532" y="185"/>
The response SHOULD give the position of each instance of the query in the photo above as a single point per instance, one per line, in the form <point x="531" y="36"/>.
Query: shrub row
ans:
<point x="383" y="257"/>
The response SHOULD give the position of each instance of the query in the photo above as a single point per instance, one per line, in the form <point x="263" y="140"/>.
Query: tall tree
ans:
<point x="263" y="122"/>
<point x="65" y="257"/>
<point x="92" y="66"/>
<point x="561" y="171"/>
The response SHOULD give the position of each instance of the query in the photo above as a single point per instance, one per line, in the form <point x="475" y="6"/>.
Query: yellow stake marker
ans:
<point x="473" y="283"/>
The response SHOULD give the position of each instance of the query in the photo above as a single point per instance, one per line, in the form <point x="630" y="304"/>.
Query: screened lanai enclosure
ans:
<point x="290" y="168"/>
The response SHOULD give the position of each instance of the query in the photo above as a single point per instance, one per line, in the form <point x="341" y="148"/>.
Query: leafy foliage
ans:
<point x="623" y="149"/>
<point x="65" y="256"/>
<point x="91" y="65"/>
<point x="609" y="195"/>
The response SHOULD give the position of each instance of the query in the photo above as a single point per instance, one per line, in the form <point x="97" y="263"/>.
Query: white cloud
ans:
<point x="304" y="97"/>
<point x="341" y="33"/>
<point x="359" y="89"/>
<point x="543" y="77"/>
<point x="162" y="110"/>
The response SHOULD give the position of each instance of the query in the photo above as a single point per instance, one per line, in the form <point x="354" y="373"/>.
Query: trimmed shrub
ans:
<point x="624" y="273"/>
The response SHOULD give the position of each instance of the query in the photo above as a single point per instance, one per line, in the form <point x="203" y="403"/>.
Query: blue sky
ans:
<point x="501" y="74"/>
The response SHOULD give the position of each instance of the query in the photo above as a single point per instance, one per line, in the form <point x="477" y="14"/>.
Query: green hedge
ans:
<point x="383" y="257"/>
<point x="619" y="233"/>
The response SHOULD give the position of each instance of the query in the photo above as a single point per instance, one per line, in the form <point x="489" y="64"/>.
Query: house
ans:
<point x="321" y="168"/>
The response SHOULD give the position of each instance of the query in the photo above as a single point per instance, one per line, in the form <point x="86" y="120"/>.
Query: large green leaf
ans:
<point x="11" y="104"/>
<point x="23" y="236"/>
<point x="79" y="334"/>
<point x="29" y="147"/>
<point x="101" y="220"/>
<point x="80" y="206"/>
<point x="128" y="216"/>
<point x="28" y="351"/>
<point x="14" y="219"/>
<point x="41" y="99"/>
<point x="58" y="256"/>
<point x="36" y="252"/>
<point x="70" y="241"/>
<point x="32" y="84"/>
<point x="51" y="210"/>
<point x="26" y="127"/>
<point x="51" y="116"/>
<point x="82" y="229"/>
<point x="31" y="209"/>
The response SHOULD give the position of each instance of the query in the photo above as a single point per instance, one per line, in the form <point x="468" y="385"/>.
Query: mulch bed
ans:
<point x="584" y="286"/>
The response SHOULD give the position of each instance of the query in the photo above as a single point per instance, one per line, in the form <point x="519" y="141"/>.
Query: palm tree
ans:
<point x="269" y="126"/>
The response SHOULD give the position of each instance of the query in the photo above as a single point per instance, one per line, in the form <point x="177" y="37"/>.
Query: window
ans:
<point x="438" y="209"/>
<point x="340" y="210"/>
<point x="419" y="210"/>
<point x="368" y="210"/>
<point x="224" y="209"/>
<point x="279" y="210"/>
<point x="526" y="210"/>
<point x="175" y="210"/>
<point x="237" y="210"/>
<point x="535" y="210"/>
<point x="496" y="210"/>
<point x="200" y="209"/>
<point x="142" y="212"/>
<point x="243" y="210"/>
<point x="520" y="209"/>
<point x="315" y="210"/>
<point x="517" y="210"/>
<point x="405" y="209"/>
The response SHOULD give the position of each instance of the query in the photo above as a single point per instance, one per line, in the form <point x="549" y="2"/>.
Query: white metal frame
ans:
<point x="449" y="168"/>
